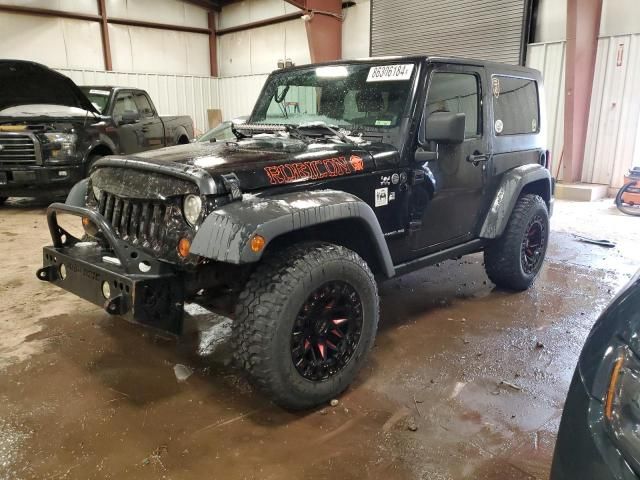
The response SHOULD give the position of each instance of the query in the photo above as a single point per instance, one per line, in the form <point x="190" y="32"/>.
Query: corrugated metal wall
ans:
<point x="613" y="135"/>
<point x="483" y="29"/>
<point x="238" y="94"/>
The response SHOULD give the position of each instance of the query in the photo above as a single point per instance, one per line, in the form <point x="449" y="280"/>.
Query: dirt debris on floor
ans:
<point x="456" y="386"/>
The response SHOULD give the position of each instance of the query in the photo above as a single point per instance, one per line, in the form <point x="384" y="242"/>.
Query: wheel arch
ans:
<point x="325" y="215"/>
<point x="533" y="178"/>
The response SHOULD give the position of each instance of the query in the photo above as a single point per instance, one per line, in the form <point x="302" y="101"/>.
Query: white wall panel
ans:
<point x="549" y="59"/>
<point x="173" y="12"/>
<point x="613" y="132"/>
<point x="551" y="21"/>
<point x="355" y="30"/>
<point x="59" y="42"/>
<point x="248" y="11"/>
<point x="238" y="94"/>
<point x="171" y="94"/>
<point x="257" y="51"/>
<point x="619" y="17"/>
<point x="138" y="49"/>
<point x="78" y="6"/>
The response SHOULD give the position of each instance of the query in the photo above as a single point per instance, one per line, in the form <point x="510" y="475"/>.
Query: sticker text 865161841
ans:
<point x="384" y="73"/>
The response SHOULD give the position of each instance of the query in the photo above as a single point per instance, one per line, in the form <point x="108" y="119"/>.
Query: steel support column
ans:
<point x="324" y="28"/>
<point x="583" y="26"/>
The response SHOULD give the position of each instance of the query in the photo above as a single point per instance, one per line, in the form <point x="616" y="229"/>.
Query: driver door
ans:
<point x="130" y="134"/>
<point x="447" y="206"/>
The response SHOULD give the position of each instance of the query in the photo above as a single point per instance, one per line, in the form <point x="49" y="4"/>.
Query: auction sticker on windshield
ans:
<point x="385" y="73"/>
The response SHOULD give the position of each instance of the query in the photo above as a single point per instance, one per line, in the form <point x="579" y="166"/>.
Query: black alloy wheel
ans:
<point x="533" y="245"/>
<point x="326" y="331"/>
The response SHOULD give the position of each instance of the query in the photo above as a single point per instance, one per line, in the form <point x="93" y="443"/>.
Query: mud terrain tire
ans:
<point x="513" y="261"/>
<point x="269" y="310"/>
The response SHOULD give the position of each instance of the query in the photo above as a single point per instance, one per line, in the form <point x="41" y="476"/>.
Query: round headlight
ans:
<point x="96" y="192"/>
<point x="192" y="207"/>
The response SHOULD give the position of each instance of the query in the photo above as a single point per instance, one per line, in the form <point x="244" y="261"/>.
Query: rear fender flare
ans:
<point x="226" y="233"/>
<point x="511" y="186"/>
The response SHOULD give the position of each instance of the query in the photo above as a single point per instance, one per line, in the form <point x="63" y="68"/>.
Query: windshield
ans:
<point x="360" y="95"/>
<point x="97" y="97"/>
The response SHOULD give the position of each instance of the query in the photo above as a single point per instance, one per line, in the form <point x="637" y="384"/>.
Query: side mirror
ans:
<point x="444" y="127"/>
<point x="129" y="117"/>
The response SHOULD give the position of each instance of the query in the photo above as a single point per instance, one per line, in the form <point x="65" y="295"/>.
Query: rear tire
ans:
<point x="305" y="322"/>
<point x="514" y="260"/>
<point x="2" y="200"/>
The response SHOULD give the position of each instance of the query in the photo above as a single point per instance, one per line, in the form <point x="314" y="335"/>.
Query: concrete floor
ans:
<point x="84" y="395"/>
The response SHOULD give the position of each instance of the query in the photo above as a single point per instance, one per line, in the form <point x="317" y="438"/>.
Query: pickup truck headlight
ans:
<point x="192" y="207"/>
<point x="622" y="403"/>
<point x="61" y="146"/>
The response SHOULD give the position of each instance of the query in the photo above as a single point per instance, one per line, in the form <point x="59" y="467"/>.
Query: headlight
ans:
<point x="61" y="145"/>
<point x="192" y="207"/>
<point x="622" y="403"/>
<point x="97" y="193"/>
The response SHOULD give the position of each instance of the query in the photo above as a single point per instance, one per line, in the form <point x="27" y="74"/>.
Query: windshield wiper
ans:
<point x="326" y="126"/>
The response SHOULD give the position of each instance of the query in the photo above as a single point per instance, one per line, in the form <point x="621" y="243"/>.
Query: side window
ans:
<point x="124" y="103"/>
<point x="515" y="105"/>
<point x="457" y="93"/>
<point x="143" y="104"/>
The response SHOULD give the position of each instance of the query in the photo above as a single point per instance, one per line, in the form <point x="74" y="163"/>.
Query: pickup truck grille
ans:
<point x="140" y="222"/>
<point x="18" y="149"/>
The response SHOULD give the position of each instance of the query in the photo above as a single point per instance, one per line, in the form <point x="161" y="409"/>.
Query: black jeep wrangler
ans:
<point x="345" y="174"/>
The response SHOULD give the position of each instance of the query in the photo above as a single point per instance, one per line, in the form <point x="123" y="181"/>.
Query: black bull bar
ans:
<point x="122" y="278"/>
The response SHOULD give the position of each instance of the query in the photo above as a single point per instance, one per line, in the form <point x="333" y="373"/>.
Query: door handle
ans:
<point x="145" y="129"/>
<point x="477" y="157"/>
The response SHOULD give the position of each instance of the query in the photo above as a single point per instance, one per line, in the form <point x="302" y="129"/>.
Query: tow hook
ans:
<point x="48" y="273"/>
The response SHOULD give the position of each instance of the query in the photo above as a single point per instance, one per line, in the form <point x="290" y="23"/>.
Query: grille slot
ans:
<point x="137" y="221"/>
<point x="18" y="149"/>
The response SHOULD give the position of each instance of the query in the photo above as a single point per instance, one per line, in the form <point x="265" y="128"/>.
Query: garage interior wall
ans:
<point x="613" y="135"/>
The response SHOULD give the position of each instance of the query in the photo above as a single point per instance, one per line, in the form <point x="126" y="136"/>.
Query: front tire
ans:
<point x="514" y="260"/>
<point x="305" y="322"/>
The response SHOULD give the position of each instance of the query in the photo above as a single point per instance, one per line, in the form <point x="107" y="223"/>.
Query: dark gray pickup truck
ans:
<point x="52" y="131"/>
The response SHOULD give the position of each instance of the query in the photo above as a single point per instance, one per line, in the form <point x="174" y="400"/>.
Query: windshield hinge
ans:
<point x="232" y="185"/>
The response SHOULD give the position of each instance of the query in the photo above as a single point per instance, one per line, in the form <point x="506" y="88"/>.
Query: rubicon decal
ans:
<point x="313" y="170"/>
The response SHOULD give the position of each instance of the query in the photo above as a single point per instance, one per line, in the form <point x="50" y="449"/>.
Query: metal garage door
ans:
<point x="484" y="29"/>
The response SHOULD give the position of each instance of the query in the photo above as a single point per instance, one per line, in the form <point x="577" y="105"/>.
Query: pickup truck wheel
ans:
<point x="514" y="260"/>
<point x="305" y="322"/>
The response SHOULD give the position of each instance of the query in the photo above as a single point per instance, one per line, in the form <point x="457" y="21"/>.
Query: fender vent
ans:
<point x="140" y="222"/>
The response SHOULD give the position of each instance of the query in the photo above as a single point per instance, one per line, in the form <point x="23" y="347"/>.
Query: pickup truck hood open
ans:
<point x="270" y="161"/>
<point x="30" y="83"/>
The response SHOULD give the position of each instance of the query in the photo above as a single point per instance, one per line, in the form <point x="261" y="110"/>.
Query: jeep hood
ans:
<point x="30" y="83"/>
<point x="260" y="162"/>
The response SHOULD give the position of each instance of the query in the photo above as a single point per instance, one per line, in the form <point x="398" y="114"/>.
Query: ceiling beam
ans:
<point x="260" y="23"/>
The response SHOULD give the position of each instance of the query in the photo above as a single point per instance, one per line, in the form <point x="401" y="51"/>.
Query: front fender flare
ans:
<point x="512" y="184"/>
<point x="225" y="234"/>
<point x="78" y="194"/>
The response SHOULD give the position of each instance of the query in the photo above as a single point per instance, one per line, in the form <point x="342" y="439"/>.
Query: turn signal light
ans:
<point x="611" y="391"/>
<point x="184" y="245"/>
<point x="257" y="243"/>
<point x="89" y="227"/>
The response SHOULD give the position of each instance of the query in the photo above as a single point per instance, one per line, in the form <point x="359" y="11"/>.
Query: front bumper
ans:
<point x="32" y="181"/>
<point x="141" y="288"/>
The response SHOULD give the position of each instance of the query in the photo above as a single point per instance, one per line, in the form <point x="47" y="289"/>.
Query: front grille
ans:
<point x="18" y="149"/>
<point x="140" y="222"/>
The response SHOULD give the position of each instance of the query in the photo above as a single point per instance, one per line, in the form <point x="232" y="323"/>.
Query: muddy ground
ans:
<point x="84" y="395"/>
